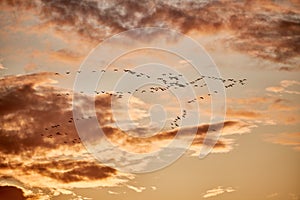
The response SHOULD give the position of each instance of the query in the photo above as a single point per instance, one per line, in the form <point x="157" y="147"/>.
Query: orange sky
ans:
<point x="47" y="127"/>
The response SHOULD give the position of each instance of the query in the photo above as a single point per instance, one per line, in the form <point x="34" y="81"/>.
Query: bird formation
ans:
<point x="167" y="80"/>
<point x="55" y="131"/>
<point x="174" y="123"/>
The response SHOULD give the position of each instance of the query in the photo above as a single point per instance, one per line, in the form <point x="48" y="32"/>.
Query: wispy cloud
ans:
<point x="218" y="191"/>
<point x="264" y="110"/>
<point x="136" y="189"/>
<point x="283" y="88"/>
<point x="286" y="139"/>
<point x="2" y="66"/>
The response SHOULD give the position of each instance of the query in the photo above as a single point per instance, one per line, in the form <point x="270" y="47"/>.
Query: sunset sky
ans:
<point x="52" y="50"/>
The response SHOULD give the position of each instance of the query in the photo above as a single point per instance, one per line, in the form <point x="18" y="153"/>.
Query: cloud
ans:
<point x="11" y="192"/>
<point x="282" y="105"/>
<point x="284" y="84"/>
<point x="286" y="139"/>
<point x="153" y="143"/>
<point x="72" y="57"/>
<point x="217" y="191"/>
<point x="269" y="30"/>
<point x="136" y="189"/>
<point x="30" y="67"/>
<point x="275" y="89"/>
<point x="29" y="79"/>
<point x="288" y="83"/>
<point x="243" y="114"/>
<point x="2" y="66"/>
<point x="65" y="55"/>
<point x="28" y="105"/>
<point x="263" y="110"/>
<point x="112" y="192"/>
<point x="71" y="171"/>
<point x="40" y="147"/>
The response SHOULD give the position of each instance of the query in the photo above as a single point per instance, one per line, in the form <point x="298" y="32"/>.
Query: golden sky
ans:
<point x="51" y="114"/>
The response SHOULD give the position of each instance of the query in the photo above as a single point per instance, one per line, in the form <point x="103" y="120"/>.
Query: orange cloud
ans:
<point x="243" y="114"/>
<point x="287" y="139"/>
<point x="153" y="143"/>
<point x="284" y="84"/>
<point x="66" y="56"/>
<point x="1" y="65"/>
<point x="30" y="67"/>
<point x="40" y="147"/>
<point x="263" y="110"/>
<point x="288" y="83"/>
<point x="275" y="89"/>
<point x="266" y="30"/>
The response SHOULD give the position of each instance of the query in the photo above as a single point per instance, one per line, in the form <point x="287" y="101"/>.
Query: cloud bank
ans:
<point x="267" y="30"/>
<point x="40" y="147"/>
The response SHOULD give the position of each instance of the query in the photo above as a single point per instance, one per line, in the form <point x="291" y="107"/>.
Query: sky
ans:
<point x="89" y="111"/>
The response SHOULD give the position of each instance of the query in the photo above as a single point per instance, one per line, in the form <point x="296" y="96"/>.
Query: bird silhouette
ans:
<point x="167" y="80"/>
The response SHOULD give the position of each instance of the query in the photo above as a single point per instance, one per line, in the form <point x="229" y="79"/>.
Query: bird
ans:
<point x="167" y="81"/>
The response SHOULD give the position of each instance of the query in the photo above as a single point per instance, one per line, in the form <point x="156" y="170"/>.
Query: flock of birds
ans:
<point x="167" y="80"/>
<point x="55" y="131"/>
<point x="175" y="123"/>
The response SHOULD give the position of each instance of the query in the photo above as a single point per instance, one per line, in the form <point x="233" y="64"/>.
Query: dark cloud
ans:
<point x="267" y="30"/>
<point x="139" y="144"/>
<point x="33" y="115"/>
<point x="37" y="121"/>
<point x="26" y="111"/>
<point x="274" y="37"/>
<point x="36" y="116"/>
<point x="93" y="20"/>
<point x="264" y="33"/>
<point x="72" y="171"/>
<point x="38" y="137"/>
<point x="32" y="79"/>
<point x="11" y="192"/>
